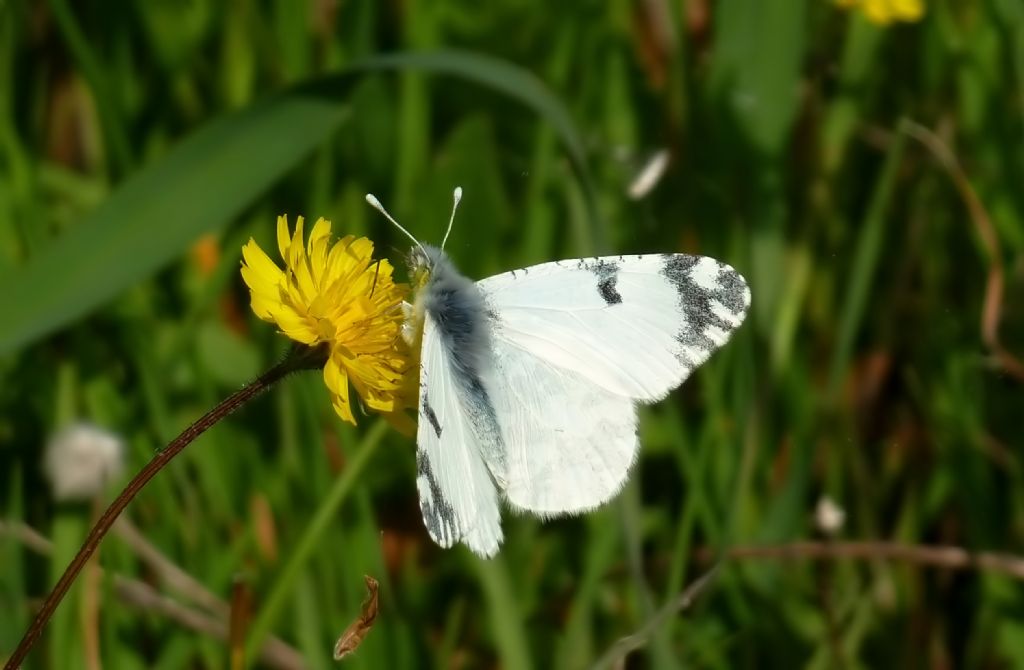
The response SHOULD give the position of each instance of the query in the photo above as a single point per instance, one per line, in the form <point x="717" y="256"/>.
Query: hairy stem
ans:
<point x="299" y="359"/>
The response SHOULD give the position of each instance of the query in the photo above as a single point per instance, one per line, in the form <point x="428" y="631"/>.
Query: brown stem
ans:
<point x="616" y="654"/>
<point x="166" y="571"/>
<point x="274" y="653"/>
<point x="299" y="359"/>
<point x="992" y="305"/>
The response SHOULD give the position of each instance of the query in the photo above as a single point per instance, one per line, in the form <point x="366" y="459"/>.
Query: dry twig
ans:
<point x="167" y="571"/>
<point x="941" y="556"/>
<point x="992" y="308"/>
<point x="624" y="645"/>
<point x="275" y="653"/>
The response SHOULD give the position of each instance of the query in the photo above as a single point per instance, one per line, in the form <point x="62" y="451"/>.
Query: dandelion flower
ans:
<point x="885" y="12"/>
<point x="81" y="460"/>
<point x="333" y="294"/>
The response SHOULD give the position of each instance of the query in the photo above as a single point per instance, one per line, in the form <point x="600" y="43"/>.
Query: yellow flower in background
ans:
<point x="885" y="12"/>
<point x="335" y="294"/>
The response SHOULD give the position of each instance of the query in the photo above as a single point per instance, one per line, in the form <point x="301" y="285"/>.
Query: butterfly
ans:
<point x="530" y="379"/>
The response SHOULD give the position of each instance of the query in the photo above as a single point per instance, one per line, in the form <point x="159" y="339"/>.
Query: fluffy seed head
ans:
<point x="81" y="459"/>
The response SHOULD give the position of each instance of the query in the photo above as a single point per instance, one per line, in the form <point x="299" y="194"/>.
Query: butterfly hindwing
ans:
<point x="458" y="499"/>
<point x="577" y="343"/>
<point x="569" y="442"/>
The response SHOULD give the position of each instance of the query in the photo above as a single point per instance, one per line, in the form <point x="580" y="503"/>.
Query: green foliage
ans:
<point x="140" y="148"/>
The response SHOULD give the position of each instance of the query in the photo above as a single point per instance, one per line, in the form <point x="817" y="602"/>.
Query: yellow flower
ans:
<point x="335" y="295"/>
<point x="884" y="12"/>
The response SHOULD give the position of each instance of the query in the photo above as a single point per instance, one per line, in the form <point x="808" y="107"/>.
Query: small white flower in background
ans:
<point x="81" y="460"/>
<point x="828" y="516"/>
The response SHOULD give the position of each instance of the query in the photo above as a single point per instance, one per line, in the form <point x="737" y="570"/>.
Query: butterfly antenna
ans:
<point x="375" y="203"/>
<point x="456" y="198"/>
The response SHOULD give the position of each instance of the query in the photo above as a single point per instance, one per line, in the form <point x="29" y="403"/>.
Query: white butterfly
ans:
<point x="529" y="380"/>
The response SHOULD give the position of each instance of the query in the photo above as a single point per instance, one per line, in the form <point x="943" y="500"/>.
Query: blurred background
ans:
<point x="859" y="162"/>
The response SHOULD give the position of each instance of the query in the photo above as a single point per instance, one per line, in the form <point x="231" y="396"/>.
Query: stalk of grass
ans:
<point x="866" y="257"/>
<point x="506" y="618"/>
<point x="110" y="113"/>
<point x="309" y="540"/>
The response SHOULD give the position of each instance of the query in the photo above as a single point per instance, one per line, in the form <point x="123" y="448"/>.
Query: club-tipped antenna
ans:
<point x="375" y="203"/>
<point x="456" y="199"/>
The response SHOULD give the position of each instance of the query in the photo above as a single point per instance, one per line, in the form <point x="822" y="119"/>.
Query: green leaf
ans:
<point x="211" y="177"/>
<point x="757" y="67"/>
<point x="197" y="187"/>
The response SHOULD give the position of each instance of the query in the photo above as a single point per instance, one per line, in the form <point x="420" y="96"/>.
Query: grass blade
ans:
<point x="198" y="187"/>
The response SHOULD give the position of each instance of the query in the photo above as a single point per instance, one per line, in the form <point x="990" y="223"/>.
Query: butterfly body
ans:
<point x="529" y="380"/>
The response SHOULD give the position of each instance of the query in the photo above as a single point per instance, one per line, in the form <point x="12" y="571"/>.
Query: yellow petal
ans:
<point x="263" y="275"/>
<point x="296" y="327"/>
<point x="337" y="383"/>
<point x="339" y="264"/>
<point x="319" y="242"/>
<point x="283" y="239"/>
<point x="334" y="375"/>
<point x="361" y="251"/>
<point x="299" y="264"/>
<point x="908" y="10"/>
<point x="266" y="298"/>
<point x="263" y="307"/>
<point x="296" y="247"/>
<point x="878" y="12"/>
<point x="343" y="409"/>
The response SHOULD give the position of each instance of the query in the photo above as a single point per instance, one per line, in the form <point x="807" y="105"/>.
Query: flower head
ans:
<point x="335" y="294"/>
<point x="81" y="460"/>
<point x="884" y="12"/>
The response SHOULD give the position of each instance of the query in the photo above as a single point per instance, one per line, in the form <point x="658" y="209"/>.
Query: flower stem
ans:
<point x="298" y="359"/>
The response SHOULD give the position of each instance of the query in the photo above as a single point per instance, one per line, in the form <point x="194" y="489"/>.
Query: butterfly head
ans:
<point x="419" y="265"/>
<point x="423" y="262"/>
<point x="427" y="265"/>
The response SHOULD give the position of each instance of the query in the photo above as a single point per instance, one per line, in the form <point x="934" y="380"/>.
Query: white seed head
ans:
<point x="828" y="516"/>
<point x="81" y="459"/>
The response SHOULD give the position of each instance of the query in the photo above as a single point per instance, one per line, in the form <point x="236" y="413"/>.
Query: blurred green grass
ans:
<point x="139" y="149"/>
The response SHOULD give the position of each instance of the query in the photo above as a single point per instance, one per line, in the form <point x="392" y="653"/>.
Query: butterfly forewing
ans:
<point x="634" y="325"/>
<point x="458" y="499"/>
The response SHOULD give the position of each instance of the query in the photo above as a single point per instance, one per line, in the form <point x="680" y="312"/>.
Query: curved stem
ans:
<point x="299" y="359"/>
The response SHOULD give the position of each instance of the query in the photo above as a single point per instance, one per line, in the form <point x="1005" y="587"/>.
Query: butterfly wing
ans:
<point x="577" y="344"/>
<point x="458" y="499"/>
<point x="569" y="442"/>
